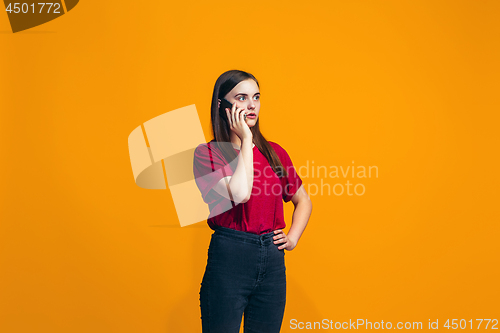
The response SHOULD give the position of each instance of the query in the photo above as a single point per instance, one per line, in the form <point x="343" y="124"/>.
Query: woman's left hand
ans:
<point x="281" y="237"/>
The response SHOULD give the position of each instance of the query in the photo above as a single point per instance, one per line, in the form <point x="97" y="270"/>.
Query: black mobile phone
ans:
<point x="223" y="105"/>
<point x="222" y="109"/>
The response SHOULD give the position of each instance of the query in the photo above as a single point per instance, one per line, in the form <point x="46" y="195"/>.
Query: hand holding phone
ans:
<point x="226" y="104"/>
<point x="239" y="127"/>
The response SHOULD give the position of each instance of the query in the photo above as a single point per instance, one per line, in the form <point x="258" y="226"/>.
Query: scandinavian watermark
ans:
<point x="329" y="180"/>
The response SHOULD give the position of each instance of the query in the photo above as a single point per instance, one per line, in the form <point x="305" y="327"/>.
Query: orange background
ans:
<point x="408" y="86"/>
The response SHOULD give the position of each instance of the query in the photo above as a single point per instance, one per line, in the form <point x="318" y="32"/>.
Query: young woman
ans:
<point x="244" y="179"/>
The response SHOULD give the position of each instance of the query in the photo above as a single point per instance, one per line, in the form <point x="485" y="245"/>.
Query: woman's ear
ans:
<point x="218" y="103"/>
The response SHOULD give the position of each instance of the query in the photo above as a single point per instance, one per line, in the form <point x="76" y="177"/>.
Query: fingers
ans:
<point x="236" y="114"/>
<point x="279" y="238"/>
<point x="233" y="112"/>
<point x="231" y="116"/>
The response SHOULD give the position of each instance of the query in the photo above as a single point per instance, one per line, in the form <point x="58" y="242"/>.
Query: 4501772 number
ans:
<point x="25" y="8"/>
<point x="462" y="324"/>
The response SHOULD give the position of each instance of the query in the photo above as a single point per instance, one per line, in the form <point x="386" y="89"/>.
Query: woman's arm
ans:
<point x="238" y="187"/>
<point x="301" y="214"/>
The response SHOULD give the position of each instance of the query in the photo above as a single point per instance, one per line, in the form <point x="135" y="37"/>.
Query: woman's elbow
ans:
<point x="242" y="197"/>
<point x="247" y="197"/>
<point x="243" y="200"/>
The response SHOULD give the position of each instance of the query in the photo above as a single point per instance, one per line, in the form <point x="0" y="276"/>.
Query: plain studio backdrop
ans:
<point x="408" y="87"/>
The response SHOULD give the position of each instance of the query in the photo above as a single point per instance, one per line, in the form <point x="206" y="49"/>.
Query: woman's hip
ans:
<point x="237" y="256"/>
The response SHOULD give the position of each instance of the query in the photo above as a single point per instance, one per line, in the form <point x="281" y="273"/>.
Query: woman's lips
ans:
<point x="251" y="115"/>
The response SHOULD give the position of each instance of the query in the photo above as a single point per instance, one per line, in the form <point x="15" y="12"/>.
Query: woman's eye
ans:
<point x="242" y="98"/>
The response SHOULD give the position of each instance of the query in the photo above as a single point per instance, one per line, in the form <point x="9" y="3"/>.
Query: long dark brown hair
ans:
<point x="220" y="126"/>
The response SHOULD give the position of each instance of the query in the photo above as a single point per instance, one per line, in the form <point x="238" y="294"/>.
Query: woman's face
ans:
<point x="247" y="96"/>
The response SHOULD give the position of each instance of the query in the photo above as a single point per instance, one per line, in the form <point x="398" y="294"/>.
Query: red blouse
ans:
<point x="263" y="212"/>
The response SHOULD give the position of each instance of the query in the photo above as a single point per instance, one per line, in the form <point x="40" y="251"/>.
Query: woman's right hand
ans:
<point x="237" y="122"/>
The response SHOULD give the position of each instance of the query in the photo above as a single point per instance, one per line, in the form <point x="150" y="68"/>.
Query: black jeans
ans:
<point x="245" y="273"/>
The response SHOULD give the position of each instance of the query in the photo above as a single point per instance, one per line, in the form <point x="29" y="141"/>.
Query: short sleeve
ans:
<point x="209" y="167"/>
<point x="292" y="182"/>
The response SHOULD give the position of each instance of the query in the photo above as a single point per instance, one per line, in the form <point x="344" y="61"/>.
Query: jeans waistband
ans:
<point x="246" y="237"/>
